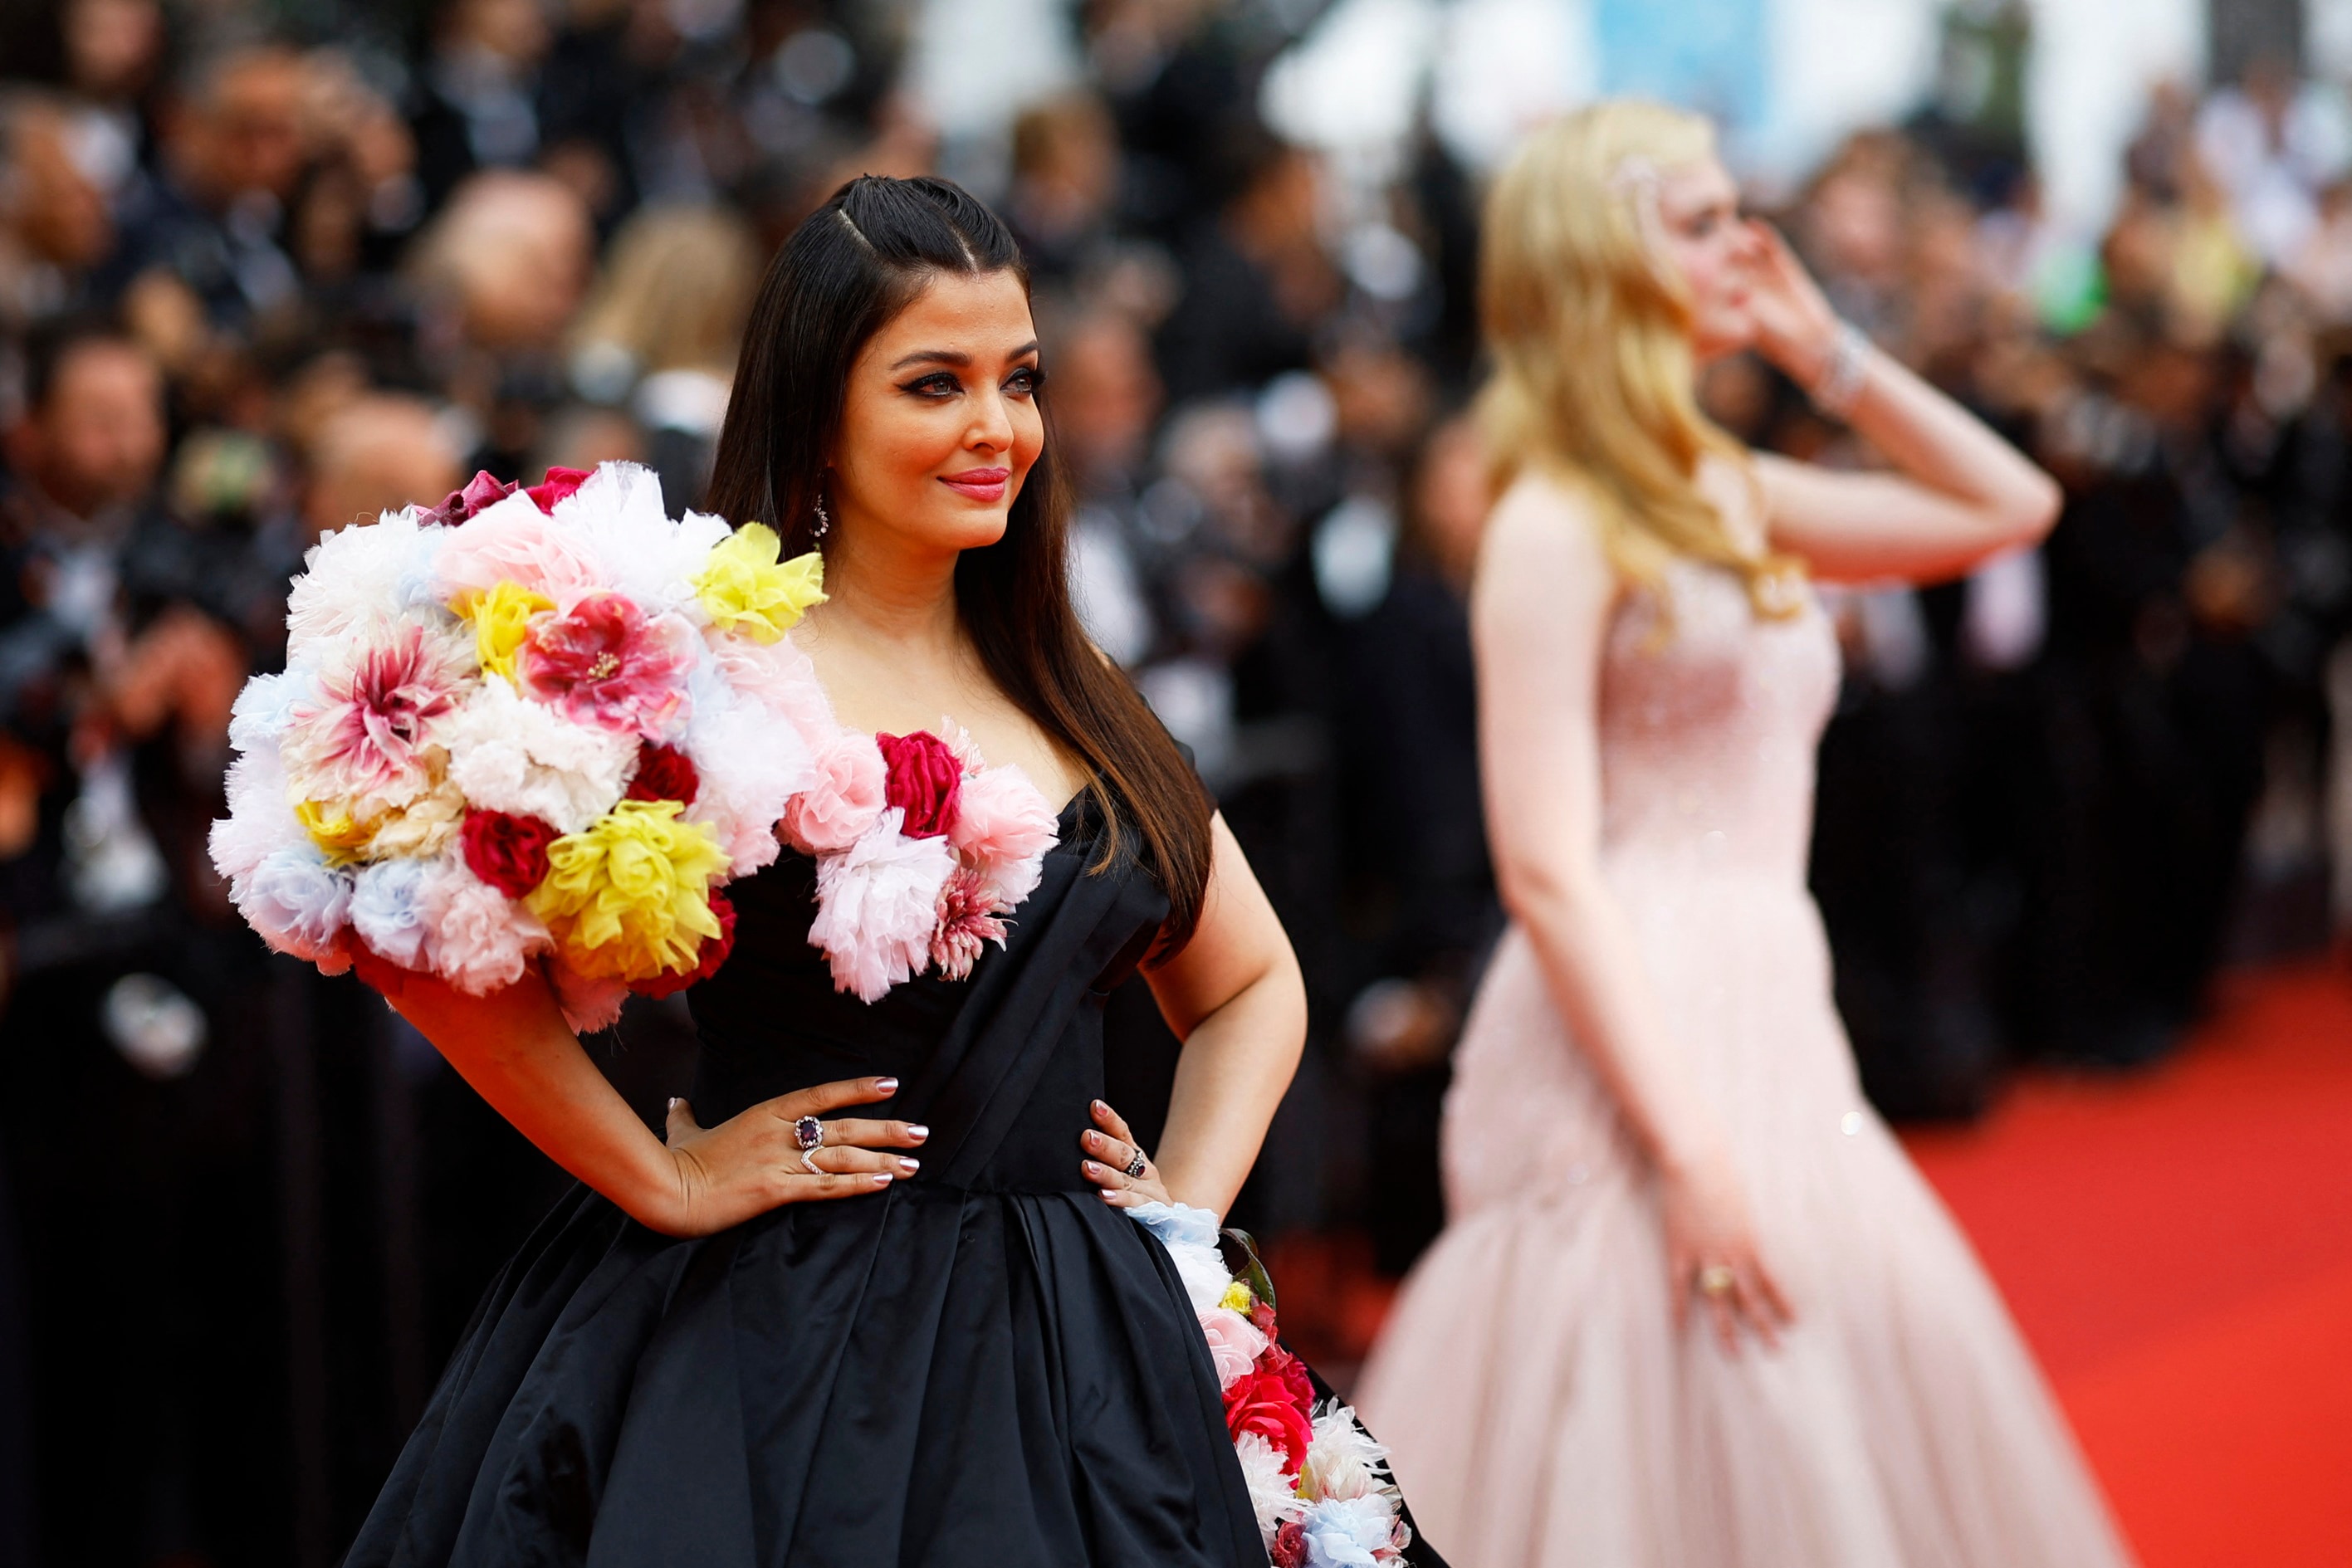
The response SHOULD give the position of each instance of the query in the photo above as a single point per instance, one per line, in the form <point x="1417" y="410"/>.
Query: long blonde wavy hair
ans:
<point x="1589" y="329"/>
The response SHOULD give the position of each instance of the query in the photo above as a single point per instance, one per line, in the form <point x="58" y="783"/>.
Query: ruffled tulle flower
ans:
<point x="299" y="904"/>
<point x="265" y="710"/>
<point x="422" y="827"/>
<point x="481" y="940"/>
<point x="1351" y="1532"/>
<point x="968" y="919"/>
<point x="366" y="742"/>
<point x="387" y="910"/>
<point x="512" y="756"/>
<point x="747" y="764"/>
<point x="1003" y="825"/>
<point x="843" y="798"/>
<point x="355" y="577"/>
<point x="1189" y="1235"/>
<point x="779" y="677"/>
<point x="591" y="1003"/>
<point x="748" y="593"/>
<point x="1273" y="1497"/>
<point x="877" y="905"/>
<point x="261" y="819"/>
<point x="511" y="540"/>
<point x="501" y="615"/>
<point x="1342" y="1460"/>
<point x="604" y="663"/>
<point x="628" y="897"/>
<point x="618" y="513"/>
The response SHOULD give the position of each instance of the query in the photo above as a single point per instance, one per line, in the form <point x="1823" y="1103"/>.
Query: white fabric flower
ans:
<point x="481" y="939"/>
<point x="1349" y="1533"/>
<point x="261" y="819"/>
<point x="749" y="761"/>
<point x="619" y="511"/>
<point x="356" y="575"/>
<point x="266" y="706"/>
<point x="1270" y="1495"/>
<point x="298" y="906"/>
<point x="877" y="904"/>
<point x="388" y="912"/>
<point x="1342" y="1461"/>
<point x="1191" y="1237"/>
<point x="513" y="755"/>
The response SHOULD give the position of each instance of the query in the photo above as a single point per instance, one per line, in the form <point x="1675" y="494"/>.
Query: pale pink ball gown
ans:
<point x="1541" y="1407"/>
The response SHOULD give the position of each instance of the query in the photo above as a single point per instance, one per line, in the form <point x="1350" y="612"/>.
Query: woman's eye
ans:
<point x="941" y="385"/>
<point x="1025" y="382"/>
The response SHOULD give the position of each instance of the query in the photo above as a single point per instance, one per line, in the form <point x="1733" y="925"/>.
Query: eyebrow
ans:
<point x="952" y="355"/>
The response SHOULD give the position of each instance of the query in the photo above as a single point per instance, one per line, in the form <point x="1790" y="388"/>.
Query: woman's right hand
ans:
<point x="752" y="1162"/>
<point x="1712" y="1256"/>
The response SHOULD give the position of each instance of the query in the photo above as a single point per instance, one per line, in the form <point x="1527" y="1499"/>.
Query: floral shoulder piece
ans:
<point x="1319" y="1484"/>
<point x="922" y="850"/>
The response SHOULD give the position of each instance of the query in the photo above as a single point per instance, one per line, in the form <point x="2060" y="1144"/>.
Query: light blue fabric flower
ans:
<point x="1178" y="1224"/>
<point x="266" y="706"/>
<point x="387" y="910"/>
<point x="1346" y="1532"/>
<point x="297" y="901"/>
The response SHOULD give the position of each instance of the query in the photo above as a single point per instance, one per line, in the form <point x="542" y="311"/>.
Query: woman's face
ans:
<point x="1715" y="250"/>
<point x="941" y="423"/>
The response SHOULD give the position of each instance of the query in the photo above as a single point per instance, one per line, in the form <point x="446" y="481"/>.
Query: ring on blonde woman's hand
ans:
<point x="1137" y="1166"/>
<point x="1715" y="1279"/>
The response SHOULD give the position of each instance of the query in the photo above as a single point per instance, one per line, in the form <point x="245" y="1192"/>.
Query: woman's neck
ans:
<point x="881" y="594"/>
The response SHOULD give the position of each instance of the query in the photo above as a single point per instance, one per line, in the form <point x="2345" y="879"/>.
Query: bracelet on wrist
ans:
<point x="1839" y="386"/>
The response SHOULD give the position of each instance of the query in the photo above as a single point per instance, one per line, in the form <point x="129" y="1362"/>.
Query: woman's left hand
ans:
<point x="1796" y="328"/>
<point x="1118" y="1165"/>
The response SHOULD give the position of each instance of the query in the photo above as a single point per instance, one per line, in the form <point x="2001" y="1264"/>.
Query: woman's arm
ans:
<point x="1959" y="492"/>
<point x="1234" y="996"/>
<point x="519" y="1055"/>
<point x="1539" y="621"/>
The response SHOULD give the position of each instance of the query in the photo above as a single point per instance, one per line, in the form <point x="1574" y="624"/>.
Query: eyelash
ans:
<point x="1029" y="377"/>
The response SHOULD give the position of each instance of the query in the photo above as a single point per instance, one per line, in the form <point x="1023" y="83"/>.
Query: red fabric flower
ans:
<point x="1275" y="1400"/>
<point x="665" y="773"/>
<point x="924" y="777"/>
<point x="507" y="852"/>
<point x="1261" y="1318"/>
<point x="480" y="491"/>
<point x="560" y="483"/>
<point x="1289" y="1549"/>
<point x="714" y="952"/>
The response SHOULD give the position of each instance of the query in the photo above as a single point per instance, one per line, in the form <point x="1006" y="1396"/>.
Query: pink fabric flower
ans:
<point x="968" y="921"/>
<point x="1234" y="1344"/>
<point x="1005" y="825"/>
<point x="777" y="675"/>
<point x="514" y="541"/>
<point x="842" y="800"/>
<point x="480" y="491"/>
<point x="925" y="779"/>
<point x="365" y="739"/>
<point x="878" y="905"/>
<point x="603" y="663"/>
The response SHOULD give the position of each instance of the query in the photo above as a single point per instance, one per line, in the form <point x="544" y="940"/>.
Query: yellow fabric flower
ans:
<point x="749" y="590"/>
<point x="333" y="830"/>
<point x="628" y="896"/>
<point x="1237" y="1298"/>
<point x="502" y="619"/>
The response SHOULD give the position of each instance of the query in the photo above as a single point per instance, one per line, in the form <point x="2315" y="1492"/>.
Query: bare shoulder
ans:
<point x="1542" y="543"/>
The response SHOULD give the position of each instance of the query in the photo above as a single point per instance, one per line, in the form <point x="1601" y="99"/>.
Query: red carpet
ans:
<point x="2178" y="1247"/>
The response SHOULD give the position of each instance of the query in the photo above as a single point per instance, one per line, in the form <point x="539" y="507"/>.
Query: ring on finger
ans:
<point x="809" y="1133"/>
<point x="1137" y="1166"/>
<point x="1715" y="1279"/>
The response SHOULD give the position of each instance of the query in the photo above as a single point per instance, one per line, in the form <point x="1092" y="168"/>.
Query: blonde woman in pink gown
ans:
<point x="1693" y="1309"/>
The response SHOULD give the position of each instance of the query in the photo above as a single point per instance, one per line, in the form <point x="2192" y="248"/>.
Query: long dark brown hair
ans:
<point x="847" y="271"/>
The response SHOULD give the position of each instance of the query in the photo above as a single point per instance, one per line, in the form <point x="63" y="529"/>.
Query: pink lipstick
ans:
<point x="979" y="484"/>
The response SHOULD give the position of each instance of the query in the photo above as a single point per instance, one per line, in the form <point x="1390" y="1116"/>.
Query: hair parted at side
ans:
<point x="850" y="267"/>
<point x="1589" y="328"/>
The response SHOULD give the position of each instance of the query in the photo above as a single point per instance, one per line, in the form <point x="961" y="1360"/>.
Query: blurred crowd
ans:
<point x="264" y="271"/>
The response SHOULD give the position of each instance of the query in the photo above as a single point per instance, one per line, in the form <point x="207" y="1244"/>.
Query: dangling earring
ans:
<point x="824" y="519"/>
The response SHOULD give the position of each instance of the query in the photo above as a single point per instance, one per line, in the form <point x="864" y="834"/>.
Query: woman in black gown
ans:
<point x="968" y="1356"/>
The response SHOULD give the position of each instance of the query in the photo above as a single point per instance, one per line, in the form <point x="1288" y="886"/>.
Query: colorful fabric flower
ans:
<point x="511" y="755"/>
<point x="1288" y="1547"/>
<point x="1190" y="1236"/>
<point x="511" y="540"/>
<point x="1351" y="1532"/>
<point x="482" y="490"/>
<point x="750" y="763"/>
<point x="1273" y="1497"/>
<point x="366" y="742"/>
<point x="559" y="484"/>
<point x="423" y="826"/>
<point x="1005" y="825"/>
<point x="842" y="800"/>
<point x="480" y="940"/>
<point x="1271" y="1399"/>
<point x="591" y="1003"/>
<point x="299" y="904"/>
<point x="923" y="778"/>
<point x="356" y="577"/>
<point x="1234" y="1344"/>
<point x="664" y="773"/>
<point x="1342" y="1460"/>
<point x="877" y="905"/>
<point x="387" y="910"/>
<point x="628" y="896"/>
<point x="604" y="663"/>
<point x="968" y="921"/>
<point x="750" y="593"/>
<point x="501" y="616"/>
<point x="339" y="837"/>
<point x="506" y="851"/>
<point x="715" y="952"/>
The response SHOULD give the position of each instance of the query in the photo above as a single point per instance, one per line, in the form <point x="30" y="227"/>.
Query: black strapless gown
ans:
<point x="985" y="1367"/>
